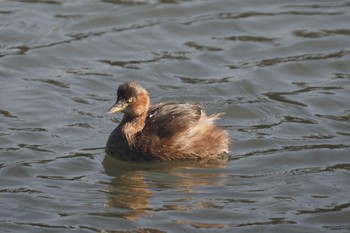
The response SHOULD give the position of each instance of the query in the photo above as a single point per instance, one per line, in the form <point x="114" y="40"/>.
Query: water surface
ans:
<point x="278" y="69"/>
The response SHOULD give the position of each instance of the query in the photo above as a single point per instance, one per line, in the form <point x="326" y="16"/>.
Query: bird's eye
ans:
<point x="131" y="99"/>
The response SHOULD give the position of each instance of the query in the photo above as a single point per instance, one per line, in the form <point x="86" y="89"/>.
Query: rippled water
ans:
<point x="280" y="70"/>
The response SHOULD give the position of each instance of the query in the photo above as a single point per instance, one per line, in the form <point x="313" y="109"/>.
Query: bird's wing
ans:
<point x="169" y="119"/>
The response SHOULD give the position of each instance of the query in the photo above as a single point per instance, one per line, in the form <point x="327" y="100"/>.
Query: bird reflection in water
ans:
<point x="130" y="189"/>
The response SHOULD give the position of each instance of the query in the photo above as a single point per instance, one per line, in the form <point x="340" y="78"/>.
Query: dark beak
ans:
<point x="118" y="107"/>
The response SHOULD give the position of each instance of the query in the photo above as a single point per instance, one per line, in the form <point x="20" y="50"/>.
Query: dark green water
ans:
<point x="280" y="70"/>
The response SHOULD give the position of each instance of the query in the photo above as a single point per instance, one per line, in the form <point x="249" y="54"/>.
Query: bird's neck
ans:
<point x="131" y="125"/>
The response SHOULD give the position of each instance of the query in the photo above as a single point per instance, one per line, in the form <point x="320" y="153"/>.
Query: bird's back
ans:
<point x="176" y="131"/>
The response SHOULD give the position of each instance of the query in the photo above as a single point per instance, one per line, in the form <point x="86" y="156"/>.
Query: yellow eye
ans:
<point x="131" y="100"/>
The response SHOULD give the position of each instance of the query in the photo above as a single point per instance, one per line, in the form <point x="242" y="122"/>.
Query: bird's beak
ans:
<point x="118" y="107"/>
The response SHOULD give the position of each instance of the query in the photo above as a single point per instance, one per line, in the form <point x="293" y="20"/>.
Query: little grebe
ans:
<point x="164" y="131"/>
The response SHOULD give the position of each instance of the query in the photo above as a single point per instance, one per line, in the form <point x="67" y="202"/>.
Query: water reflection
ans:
<point x="132" y="185"/>
<point x="157" y="56"/>
<point x="291" y="59"/>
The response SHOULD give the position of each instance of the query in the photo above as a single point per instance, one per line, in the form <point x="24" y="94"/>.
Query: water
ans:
<point x="278" y="69"/>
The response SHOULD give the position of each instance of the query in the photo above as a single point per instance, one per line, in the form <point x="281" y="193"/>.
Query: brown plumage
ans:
<point x="164" y="131"/>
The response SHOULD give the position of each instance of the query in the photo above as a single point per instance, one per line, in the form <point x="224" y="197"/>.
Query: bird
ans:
<point x="164" y="131"/>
